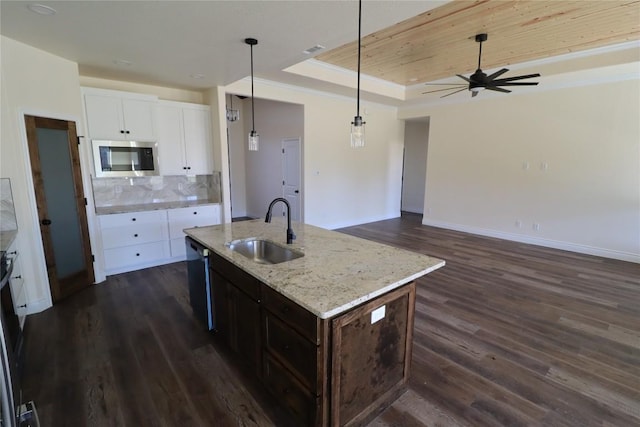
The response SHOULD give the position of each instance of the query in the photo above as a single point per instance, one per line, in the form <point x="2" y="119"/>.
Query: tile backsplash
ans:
<point x="156" y="189"/>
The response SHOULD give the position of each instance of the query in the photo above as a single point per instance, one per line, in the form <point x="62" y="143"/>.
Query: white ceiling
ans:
<point x="169" y="41"/>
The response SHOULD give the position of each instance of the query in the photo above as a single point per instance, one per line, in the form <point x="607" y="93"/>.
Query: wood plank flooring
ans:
<point x="506" y="334"/>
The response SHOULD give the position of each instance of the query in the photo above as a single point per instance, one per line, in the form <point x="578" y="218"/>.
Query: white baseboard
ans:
<point x="549" y="243"/>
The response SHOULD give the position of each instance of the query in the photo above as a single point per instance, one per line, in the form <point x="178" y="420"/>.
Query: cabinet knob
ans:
<point x="137" y="254"/>
<point x="184" y="167"/>
<point x="122" y="131"/>
<point x="195" y="213"/>
<point x="22" y="306"/>
<point x="133" y="219"/>
<point x="189" y="167"/>
<point x="127" y="132"/>
<point x="135" y="235"/>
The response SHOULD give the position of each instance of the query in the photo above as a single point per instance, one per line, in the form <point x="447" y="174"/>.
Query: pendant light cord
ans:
<point x="253" y="112"/>
<point x="359" y="47"/>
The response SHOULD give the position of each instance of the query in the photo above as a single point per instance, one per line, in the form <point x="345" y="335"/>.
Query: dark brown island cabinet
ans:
<point x="341" y="371"/>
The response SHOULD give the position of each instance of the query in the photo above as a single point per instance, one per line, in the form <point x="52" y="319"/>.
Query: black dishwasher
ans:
<point x="199" y="283"/>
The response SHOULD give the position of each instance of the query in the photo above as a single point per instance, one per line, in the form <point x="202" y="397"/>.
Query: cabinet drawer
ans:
<point x="197" y="216"/>
<point x="134" y="234"/>
<point x="243" y="281"/>
<point x="117" y="258"/>
<point x="119" y="220"/>
<point x="292" y="314"/>
<point x="293" y="350"/>
<point x="304" y="406"/>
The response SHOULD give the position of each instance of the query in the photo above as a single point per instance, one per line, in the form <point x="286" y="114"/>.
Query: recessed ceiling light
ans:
<point x="313" y="49"/>
<point x="197" y="76"/>
<point x="122" y="62"/>
<point x="41" y="9"/>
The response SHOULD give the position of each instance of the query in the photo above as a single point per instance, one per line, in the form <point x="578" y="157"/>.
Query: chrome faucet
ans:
<point x="290" y="235"/>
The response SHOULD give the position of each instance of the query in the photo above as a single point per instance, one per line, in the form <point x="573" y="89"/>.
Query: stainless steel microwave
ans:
<point x="125" y="158"/>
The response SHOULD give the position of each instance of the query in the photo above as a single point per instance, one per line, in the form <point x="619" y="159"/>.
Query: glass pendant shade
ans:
<point x="357" y="132"/>
<point x="254" y="139"/>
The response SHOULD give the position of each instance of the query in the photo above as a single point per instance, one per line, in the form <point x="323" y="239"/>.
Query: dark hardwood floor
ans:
<point x="506" y="334"/>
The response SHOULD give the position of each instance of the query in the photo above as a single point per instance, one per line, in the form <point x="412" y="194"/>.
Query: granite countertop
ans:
<point x="7" y="238"/>
<point x="106" y="210"/>
<point x="336" y="273"/>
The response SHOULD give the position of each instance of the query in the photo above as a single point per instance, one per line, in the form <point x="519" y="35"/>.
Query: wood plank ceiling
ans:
<point x="440" y="43"/>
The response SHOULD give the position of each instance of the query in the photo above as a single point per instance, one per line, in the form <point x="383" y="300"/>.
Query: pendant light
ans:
<point x="357" y="125"/>
<point x="253" y="135"/>
<point x="232" y="115"/>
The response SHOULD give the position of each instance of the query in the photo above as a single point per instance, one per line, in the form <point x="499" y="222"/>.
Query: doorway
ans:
<point x="414" y="173"/>
<point x="57" y="181"/>
<point x="291" y="176"/>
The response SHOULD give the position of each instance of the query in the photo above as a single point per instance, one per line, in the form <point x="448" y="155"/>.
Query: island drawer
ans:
<point x="242" y="280"/>
<point x="291" y="349"/>
<point x="302" y="404"/>
<point x="303" y="321"/>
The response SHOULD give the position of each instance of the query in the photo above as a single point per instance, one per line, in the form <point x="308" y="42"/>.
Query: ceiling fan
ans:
<point x="480" y="80"/>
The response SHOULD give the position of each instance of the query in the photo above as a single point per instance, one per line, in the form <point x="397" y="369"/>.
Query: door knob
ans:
<point x="46" y="221"/>
<point x="296" y="191"/>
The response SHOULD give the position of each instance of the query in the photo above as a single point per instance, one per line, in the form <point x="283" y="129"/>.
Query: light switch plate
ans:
<point x="378" y="314"/>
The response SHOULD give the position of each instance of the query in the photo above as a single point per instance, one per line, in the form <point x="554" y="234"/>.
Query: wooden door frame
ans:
<point x="31" y="122"/>
<point x="300" y="173"/>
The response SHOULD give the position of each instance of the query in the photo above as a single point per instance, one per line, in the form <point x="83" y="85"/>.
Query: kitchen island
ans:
<point x="328" y="333"/>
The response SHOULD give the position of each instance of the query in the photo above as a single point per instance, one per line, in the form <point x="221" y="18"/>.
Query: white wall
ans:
<point x="38" y="83"/>
<point x="275" y="121"/>
<point x="567" y="160"/>
<point x="237" y="147"/>
<point x="342" y="186"/>
<point x="416" y="140"/>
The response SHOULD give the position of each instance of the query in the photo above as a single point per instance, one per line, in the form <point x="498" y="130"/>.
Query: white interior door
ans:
<point x="291" y="176"/>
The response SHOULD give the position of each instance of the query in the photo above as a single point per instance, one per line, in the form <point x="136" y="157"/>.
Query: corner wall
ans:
<point x="38" y="83"/>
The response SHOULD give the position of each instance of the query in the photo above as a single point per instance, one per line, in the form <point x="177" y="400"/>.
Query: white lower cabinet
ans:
<point x="16" y="281"/>
<point x="182" y="218"/>
<point x="136" y="240"/>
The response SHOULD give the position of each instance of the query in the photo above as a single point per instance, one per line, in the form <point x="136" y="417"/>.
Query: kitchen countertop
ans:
<point x="107" y="210"/>
<point x="337" y="272"/>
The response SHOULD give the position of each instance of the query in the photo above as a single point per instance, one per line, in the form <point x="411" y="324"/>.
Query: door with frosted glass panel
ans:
<point x="57" y="181"/>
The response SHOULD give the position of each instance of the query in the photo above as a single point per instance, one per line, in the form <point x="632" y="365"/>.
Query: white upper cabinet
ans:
<point x="184" y="139"/>
<point x="120" y="116"/>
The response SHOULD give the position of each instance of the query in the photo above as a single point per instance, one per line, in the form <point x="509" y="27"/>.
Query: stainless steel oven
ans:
<point x="125" y="158"/>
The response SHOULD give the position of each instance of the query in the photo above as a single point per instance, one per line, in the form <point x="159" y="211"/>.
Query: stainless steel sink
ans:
<point x="263" y="251"/>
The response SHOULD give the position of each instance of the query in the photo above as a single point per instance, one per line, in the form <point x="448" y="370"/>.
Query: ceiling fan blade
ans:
<point x="497" y="74"/>
<point x="445" y="84"/>
<point x="447" y="88"/>
<point x="497" y="89"/>
<point x="452" y="93"/>
<point x="464" y="78"/>
<point x="508" y="79"/>
<point x="515" y="84"/>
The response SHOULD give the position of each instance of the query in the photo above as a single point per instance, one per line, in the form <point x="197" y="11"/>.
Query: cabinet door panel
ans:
<point x="248" y="330"/>
<point x="303" y="405"/>
<point x="139" y="119"/>
<point x="298" y="354"/>
<point x="133" y="218"/>
<point x="196" y="216"/>
<point x="170" y="140"/>
<point x="120" y="258"/>
<point x="104" y="117"/>
<point x="197" y="138"/>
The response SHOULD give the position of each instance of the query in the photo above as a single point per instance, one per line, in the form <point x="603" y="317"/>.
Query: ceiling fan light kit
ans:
<point x="479" y="80"/>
